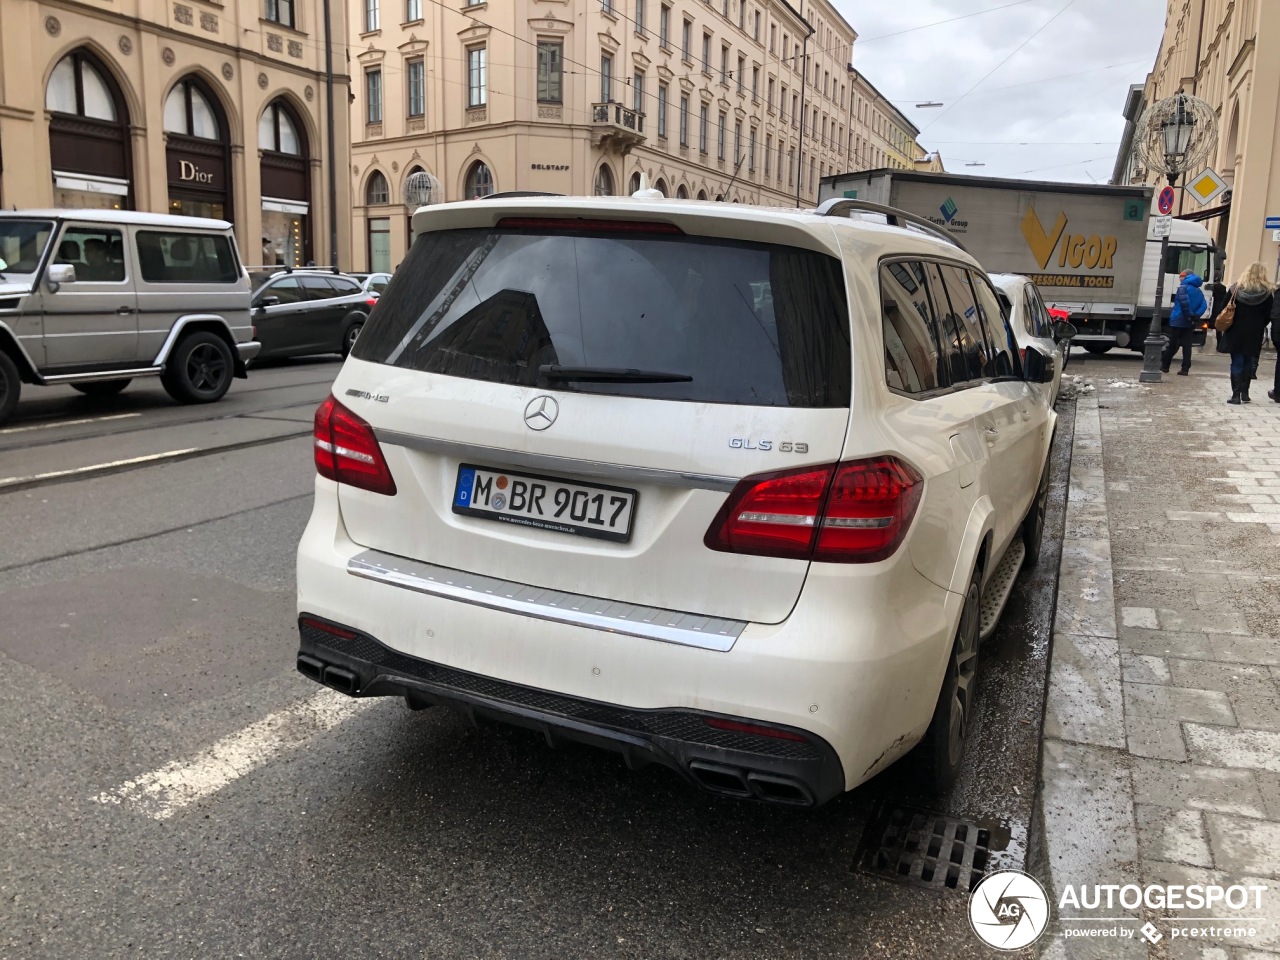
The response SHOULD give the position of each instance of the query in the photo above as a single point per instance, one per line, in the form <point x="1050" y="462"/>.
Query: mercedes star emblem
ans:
<point x="541" y="413"/>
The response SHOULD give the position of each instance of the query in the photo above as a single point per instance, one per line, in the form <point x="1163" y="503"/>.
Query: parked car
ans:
<point x="373" y="283"/>
<point x="735" y="490"/>
<point x="302" y="312"/>
<point x="97" y="298"/>
<point x="1033" y="323"/>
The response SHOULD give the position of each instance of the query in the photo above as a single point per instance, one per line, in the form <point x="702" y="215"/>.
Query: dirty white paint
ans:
<point x="161" y="793"/>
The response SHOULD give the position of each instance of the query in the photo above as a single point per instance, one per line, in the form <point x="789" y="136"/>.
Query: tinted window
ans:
<point x="379" y="284"/>
<point x="22" y="243"/>
<point x="962" y="324"/>
<point x="317" y="288"/>
<point x="951" y="335"/>
<point x="171" y="257"/>
<point x="97" y="254"/>
<point x="287" y="290"/>
<point x="911" y="356"/>
<point x="1044" y="323"/>
<point x="343" y="286"/>
<point x="750" y="323"/>
<point x="994" y="327"/>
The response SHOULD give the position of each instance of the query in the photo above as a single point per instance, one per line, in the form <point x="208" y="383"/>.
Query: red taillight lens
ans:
<point x="737" y="726"/>
<point x="869" y="510"/>
<point x="346" y="450"/>
<point x="372" y="301"/>
<point x="855" y="512"/>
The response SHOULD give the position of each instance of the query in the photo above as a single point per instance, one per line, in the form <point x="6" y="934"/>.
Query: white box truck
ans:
<point x="1088" y="247"/>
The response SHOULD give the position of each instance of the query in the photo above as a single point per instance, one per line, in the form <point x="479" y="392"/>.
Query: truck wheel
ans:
<point x="10" y="386"/>
<point x="101" y="388"/>
<point x="199" y="369"/>
<point x="1098" y="348"/>
<point x="944" y="744"/>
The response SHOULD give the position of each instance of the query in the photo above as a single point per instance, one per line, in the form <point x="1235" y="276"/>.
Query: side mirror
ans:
<point x="58" y="274"/>
<point x="1036" y="367"/>
<point x="1062" y="330"/>
<point x="267" y="302"/>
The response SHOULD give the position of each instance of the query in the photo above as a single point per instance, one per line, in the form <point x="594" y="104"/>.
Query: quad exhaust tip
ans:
<point x="339" y="678"/>
<point x="750" y="784"/>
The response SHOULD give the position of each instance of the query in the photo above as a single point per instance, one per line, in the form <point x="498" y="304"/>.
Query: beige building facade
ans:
<point x="704" y="98"/>
<point x="191" y="107"/>
<point x="1223" y="51"/>
<point x="883" y="136"/>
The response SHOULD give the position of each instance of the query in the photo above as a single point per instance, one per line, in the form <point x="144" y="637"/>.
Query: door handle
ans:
<point x="992" y="434"/>
<point x="125" y="311"/>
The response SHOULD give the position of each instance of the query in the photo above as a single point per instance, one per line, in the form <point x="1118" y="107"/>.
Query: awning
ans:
<point x="285" y="206"/>
<point x="1210" y="213"/>
<point x="90" y="184"/>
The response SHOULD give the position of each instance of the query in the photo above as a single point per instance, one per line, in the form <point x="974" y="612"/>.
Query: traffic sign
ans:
<point x="1165" y="202"/>
<point x="1271" y="223"/>
<point x="1161" y="226"/>
<point x="1206" y="186"/>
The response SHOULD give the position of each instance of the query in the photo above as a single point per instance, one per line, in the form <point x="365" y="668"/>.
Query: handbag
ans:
<point x="1227" y="317"/>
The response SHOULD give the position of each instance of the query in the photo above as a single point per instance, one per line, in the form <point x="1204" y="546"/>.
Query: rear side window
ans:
<point x="911" y="355"/>
<point x="993" y="322"/>
<point x="343" y="287"/>
<point x="174" y="257"/>
<point x="286" y="290"/>
<point x="750" y="323"/>
<point x="962" y="325"/>
<point x="95" y="252"/>
<point x="317" y="288"/>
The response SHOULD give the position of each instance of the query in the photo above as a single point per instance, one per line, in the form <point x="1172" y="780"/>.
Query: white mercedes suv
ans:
<point x="735" y="490"/>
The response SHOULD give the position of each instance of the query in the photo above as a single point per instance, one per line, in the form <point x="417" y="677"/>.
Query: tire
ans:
<point x="101" y="388"/>
<point x="199" y="369"/>
<point x="1098" y="348"/>
<point x="10" y="386"/>
<point x="944" y="744"/>
<point x="1033" y="524"/>
<point x="349" y="337"/>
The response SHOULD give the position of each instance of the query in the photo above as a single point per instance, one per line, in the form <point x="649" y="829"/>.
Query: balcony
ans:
<point x="616" y="127"/>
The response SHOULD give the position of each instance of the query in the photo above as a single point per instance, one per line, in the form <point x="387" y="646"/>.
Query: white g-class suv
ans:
<point x="735" y="490"/>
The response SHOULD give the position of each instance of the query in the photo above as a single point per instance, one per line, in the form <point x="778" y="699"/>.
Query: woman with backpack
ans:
<point x="1249" y="310"/>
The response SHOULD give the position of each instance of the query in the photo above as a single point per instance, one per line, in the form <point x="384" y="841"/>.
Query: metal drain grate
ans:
<point x="929" y="849"/>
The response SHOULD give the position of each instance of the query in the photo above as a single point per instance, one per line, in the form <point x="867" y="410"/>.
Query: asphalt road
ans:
<point x="147" y="630"/>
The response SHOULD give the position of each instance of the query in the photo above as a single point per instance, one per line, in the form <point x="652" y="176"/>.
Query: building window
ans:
<point x="686" y="34"/>
<point x="412" y="10"/>
<point x="720" y="136"/>
<point x="376" y="191"/>
<point x="606" y="6"/>
<point x="606" y="78"/>
<point x="479" y="182"/>
<point x="724" y="65"/>
<point x="783" y="48"/>
<point x="684" y="121"/>
<point x="768" y="152"/>
<point x="724" y="8"/>
<point x="280" y="11"/>
<point x="782" y="105"/>
<point x="380" y="244"/>
<point x="635" y="183"/>
<point x="756" y="31"/>
<point x="791" y="167"/>
<point x="702" y="129"/>
<point x="550" y="71"/>
<point x="812" y="164"/>
<point x="373" y="96"/>
<point x="737" y="143"/>
<point x="779" y="174"/>
<point x="662" y="111"/>
<point x="417" y="78"/>
<point x="664" y="26"/>
<point x="770" y="88"/>
<point x="188" y="111"/>
<point x="640" y="16"/>
<point x="372" y="16"/>
<point x="604" y="182"/>
<point x="706" y="53"/>
<point x="773" y="38"/>
<point x="742" y="14"/>
<point x="742" y="68"/>
<point x="795" y="108"/>
<point x="755" y="84"/>
<point x="477" y="77"/>
<point x="751" y="151"/>
<point x="638" y="89"/>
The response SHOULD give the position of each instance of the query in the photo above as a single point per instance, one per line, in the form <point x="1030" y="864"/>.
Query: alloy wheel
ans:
<point x="206" y="368"/>
<point x="964" y="666"/>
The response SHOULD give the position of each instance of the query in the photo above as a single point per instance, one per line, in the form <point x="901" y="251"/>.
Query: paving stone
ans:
<point x="1154" y="737"/>
<point x="1242" y="846"/>
<point x="1269" y="784"/>
<point x="1177" y="836"/>
<point x="1189" y="786"/>
<point x="1164" y="643"/>
<point x="1085" y="703"/>
<point x="1139" y="617"/>
<point x="1137" y="668"/>
<point x="1234" y="747"/>
<point x="1178" y="703"/>
<point x="1256" y="710"/>
<point x="1226" y="677"/>
<point x="1257" y="650"/>
<point x="1225" y="620"/>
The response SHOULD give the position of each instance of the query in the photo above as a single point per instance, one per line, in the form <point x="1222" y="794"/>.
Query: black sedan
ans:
<point x="297" y="313"/>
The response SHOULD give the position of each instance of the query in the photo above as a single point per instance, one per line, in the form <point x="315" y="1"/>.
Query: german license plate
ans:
<point x="546" y="503"/>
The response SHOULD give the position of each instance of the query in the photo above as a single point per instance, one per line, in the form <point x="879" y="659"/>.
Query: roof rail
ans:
<point x="510" y="194"/>
<point x="842" y="206"/>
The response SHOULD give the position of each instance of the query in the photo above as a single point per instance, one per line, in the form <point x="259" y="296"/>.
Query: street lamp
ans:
<point x="1174" y="134"/>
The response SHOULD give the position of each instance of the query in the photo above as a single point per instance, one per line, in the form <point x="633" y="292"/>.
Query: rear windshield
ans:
<point x="749" y="323"/>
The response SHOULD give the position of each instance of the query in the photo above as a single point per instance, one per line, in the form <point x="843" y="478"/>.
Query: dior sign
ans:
<point x="190" y="173"/>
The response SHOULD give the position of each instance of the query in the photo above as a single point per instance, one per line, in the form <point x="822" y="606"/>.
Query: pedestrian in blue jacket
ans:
<point x="1189" y="306"/>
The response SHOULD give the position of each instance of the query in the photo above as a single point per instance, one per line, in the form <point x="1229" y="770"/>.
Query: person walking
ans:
<point x="1243" y="339"/>
<point x="1274" y="393"/>
<point x="1220" y="296"/>
<point x="1188" y="306"/>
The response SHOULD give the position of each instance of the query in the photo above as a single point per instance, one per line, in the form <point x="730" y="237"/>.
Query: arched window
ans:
<point x="479" y="182"/>
<point x="604" y="182"/>
<point x="682" y="193"/>
<point x="702" y="194"/>
<point x="376" y="191"/>
<point x="88" y="135"/>
<point x="197" y="152"/>
<point x="661" y="187"/>
<point x="286" y="187"/>
<point x="635" y="183"/>
<point x="188" y="111"/>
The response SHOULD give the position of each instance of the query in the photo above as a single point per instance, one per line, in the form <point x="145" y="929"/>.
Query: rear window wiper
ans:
<point x="553" y="371"/>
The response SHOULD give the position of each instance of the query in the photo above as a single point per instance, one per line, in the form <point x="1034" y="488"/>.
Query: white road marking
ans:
<point x="98" y="466"/>
<point x="161" y="793"/>
<point x="67" y="423"/>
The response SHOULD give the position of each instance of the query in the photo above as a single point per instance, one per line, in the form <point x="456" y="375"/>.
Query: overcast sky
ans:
<point x="1051" y="112"/>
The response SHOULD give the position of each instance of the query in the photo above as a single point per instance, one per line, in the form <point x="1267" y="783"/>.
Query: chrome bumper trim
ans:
<point x="619" y="473"/>
<point x="648" y="623"/>
<point x="248" y="349"/>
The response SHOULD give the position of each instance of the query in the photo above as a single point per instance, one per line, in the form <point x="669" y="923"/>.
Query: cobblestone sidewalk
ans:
<point x="1161" y="760"/>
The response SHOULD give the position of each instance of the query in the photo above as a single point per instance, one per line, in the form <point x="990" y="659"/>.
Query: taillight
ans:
<point x="346" y="450"/>
<point x="372" y="301"/>
<point x="757" y="729"/>
<point x="856" y="512"/>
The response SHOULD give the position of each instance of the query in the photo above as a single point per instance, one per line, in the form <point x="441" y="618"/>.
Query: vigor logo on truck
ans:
<point x="1075" y="250"/>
